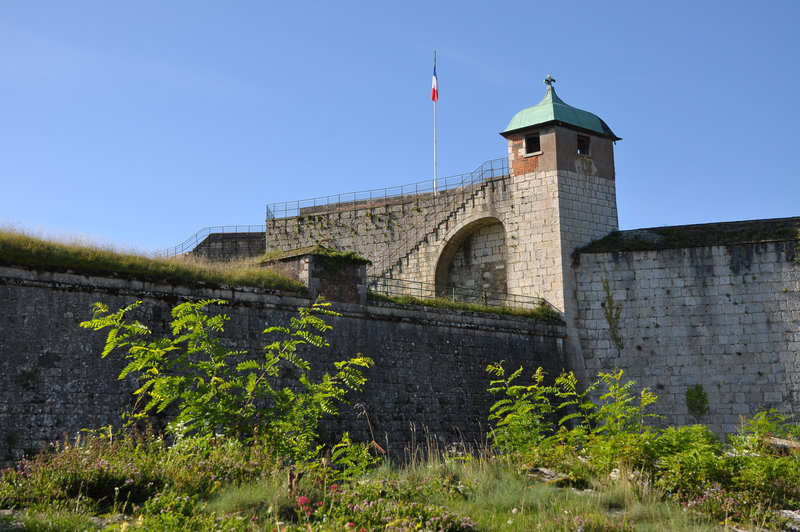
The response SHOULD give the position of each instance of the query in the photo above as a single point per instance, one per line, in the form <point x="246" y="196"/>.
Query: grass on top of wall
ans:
<point x="699" y="235"/>
<point x="18" y="248"/>
<point x="542" y="311"/>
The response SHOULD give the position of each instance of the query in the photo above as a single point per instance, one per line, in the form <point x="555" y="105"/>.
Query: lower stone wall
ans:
<point x="429" y="376"/>
<point x="724" y="317"/>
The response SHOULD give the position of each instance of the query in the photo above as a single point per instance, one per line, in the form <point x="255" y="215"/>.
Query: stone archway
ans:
<point x="474" y="258"/>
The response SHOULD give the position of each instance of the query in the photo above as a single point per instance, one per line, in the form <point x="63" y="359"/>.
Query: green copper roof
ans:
<point x="553" y="109"/>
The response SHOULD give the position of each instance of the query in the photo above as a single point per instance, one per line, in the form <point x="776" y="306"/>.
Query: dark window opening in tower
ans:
<point x="532" y="144"/>
<point x="583" y="145"/>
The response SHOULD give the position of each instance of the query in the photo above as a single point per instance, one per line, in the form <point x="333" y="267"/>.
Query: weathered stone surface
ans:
<point x="699" y="315"/>
<point x="429" y="377"/>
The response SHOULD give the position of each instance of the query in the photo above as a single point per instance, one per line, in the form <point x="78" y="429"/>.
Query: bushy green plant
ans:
<point x="772" y="479"/>
<point x="752" y="433"/>
<point x="611" y="430"/>
<point x="617" y="433"/>
<point x="522" y="418"/>
<point x="687" y="459"/>
<point x="98" y="467"/>
<point x="217" y="390"/>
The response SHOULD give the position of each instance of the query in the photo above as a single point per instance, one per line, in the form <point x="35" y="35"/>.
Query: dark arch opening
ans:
<point x="474" y="258"/>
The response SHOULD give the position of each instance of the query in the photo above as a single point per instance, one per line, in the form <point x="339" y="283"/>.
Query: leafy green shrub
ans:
<point x="611" y="431"/>
<point x="773" y="479"/>
<point x="752" y="433"/>
<point x="522" y="417"/>
<point x="217" y="391"/>
<point x="697" y="401"/>
<point x="687" y="459"/>
<point x="617" y="432"/>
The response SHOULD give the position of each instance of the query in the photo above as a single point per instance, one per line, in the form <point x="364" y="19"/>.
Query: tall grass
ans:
<point x="18" y="248"/>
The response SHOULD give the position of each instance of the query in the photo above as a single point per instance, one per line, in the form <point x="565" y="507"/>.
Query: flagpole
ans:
<point x="435" y="167"/>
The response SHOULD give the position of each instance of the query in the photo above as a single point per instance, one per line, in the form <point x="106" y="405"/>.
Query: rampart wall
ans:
<point x="222" y="247"/>
<point x="726" y="317"/>
<point x="429" y="375"/>
<point x="399" y="235"/>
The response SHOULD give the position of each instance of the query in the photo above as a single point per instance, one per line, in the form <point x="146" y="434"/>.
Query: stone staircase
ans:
<point x="439" y="222"/>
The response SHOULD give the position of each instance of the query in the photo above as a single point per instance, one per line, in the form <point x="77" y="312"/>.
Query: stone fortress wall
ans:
<point x="726" y="317"/>
<point x="429" y="376"/>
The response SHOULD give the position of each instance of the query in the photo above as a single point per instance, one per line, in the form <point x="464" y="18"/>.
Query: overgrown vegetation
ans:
<point x="612" y="311"/>
<point x="20" y="249"/>
<point x="242" y="452"/>
<point x="221" y="391"/>
<point x="746" y="481"/>
<point x="542" y="311"/>
<point x="334" y="259"/>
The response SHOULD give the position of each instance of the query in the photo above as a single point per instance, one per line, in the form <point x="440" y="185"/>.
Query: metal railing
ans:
<point x="485" y="298"/>
<point x="190" y="243"/>
<point x="488" y="170"/>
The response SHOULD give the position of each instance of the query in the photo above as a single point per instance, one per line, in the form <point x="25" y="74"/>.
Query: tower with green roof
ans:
<point x="561" y="161"/>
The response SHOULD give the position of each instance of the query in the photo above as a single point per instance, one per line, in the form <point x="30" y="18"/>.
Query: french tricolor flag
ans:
<point x="434" y="86"/>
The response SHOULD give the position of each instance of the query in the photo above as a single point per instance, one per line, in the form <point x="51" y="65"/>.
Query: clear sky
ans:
<point x="139" y="123"/>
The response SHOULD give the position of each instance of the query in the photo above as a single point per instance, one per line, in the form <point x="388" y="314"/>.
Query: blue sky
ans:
<point x="139" y="123"/>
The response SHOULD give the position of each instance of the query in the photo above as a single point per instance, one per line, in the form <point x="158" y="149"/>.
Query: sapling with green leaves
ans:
<point x="611" y="429"/>
<point x="522" y="416"/>
<point x="218" y="390"/>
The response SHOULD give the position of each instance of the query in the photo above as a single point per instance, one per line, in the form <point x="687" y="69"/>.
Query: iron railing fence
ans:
<point x="190" y="243"/>
<point x="488" y="170"/>
<point x="486" y="298"/>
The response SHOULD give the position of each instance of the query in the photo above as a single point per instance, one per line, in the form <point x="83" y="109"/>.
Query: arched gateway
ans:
<point x="474" y="259"/>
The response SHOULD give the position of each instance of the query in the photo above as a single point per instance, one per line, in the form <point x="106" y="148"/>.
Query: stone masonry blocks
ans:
<point x="735" y="335"/>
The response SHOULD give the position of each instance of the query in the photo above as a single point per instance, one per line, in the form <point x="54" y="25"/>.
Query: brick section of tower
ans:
<point x="520" y="164"/>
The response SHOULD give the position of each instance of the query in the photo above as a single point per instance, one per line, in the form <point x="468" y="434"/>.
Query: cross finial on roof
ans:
<point x="549" y="80"/>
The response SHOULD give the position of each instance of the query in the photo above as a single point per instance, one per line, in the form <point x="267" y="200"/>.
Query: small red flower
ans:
<point x="303" y="501"/>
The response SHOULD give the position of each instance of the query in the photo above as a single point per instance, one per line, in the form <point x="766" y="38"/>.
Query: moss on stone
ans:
<point x="700" y="235"/>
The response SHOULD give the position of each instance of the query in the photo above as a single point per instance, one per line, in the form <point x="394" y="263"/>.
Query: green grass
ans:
<point x="221" y="484"/>
<point x="334" y="258"/>
<point x="542" y="311"/>
<point x="112" y="481"/>
<point x="20" y="249"/>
